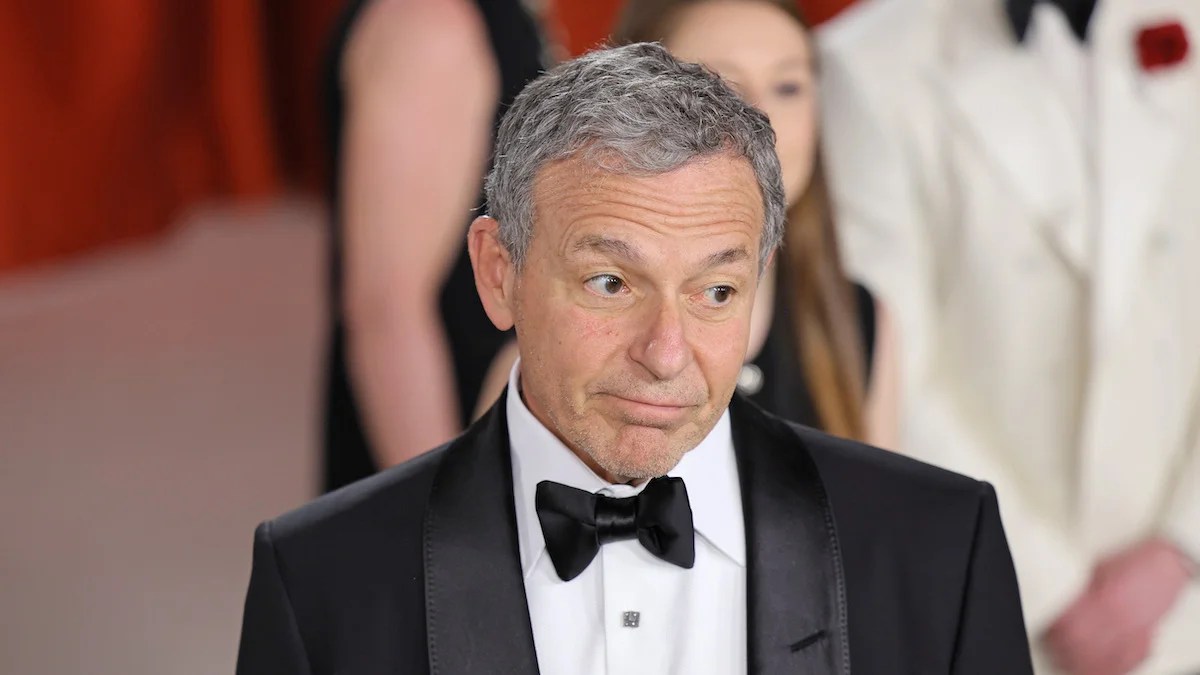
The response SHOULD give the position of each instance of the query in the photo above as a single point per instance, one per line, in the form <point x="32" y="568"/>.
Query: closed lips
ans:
<point x="655" y="403"/>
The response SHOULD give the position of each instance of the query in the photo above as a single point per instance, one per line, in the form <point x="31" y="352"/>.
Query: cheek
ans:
<point x="795" y="142"/>
<point x="720" y="350"/>
<point x="579" y="340"/>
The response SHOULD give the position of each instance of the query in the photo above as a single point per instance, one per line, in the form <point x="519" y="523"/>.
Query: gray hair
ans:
<point x="637" y="105"/>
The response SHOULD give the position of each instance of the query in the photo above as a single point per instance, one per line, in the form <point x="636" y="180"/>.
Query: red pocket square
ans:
<point x="1162" y="45"/>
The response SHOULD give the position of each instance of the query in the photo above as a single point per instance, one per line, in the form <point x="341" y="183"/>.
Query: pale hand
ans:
<point x="1110" y="629"/>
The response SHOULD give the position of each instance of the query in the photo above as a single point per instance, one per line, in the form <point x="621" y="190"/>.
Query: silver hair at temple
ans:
<point x="634" y="110"/>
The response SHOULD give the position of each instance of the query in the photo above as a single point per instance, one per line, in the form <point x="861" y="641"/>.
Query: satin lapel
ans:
<point x="796" y="590"/>
<point x="475" y="609"/>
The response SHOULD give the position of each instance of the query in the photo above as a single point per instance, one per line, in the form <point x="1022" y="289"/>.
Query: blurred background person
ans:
<point x="414" y="98"/>
<point x="1017" y="180"/>
<point x="821" y="348"/>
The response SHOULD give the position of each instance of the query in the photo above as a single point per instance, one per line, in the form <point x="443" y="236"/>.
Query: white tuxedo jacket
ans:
<point x="1051" y="342"/>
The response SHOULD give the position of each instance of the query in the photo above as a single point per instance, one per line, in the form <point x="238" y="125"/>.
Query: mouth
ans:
<point x="651" y="413"/>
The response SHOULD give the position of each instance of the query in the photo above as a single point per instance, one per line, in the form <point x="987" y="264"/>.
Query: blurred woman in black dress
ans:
<point x="415" y="89"/>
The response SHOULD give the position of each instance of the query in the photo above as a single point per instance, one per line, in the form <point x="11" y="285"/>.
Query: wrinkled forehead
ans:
<point x="721" y="187"/>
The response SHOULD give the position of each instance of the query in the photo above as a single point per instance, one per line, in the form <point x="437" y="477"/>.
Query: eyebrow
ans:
<point x="610" y="246"/>
<point x="624" y="250"/>
<point x="726" y="257"/>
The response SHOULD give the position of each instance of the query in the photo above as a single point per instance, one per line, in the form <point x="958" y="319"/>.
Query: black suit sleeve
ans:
<point x="991" y="630"/>
<point x="271" y="640"/>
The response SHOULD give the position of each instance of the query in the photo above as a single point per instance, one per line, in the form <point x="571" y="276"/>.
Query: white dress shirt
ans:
<point x="689" y="621"/>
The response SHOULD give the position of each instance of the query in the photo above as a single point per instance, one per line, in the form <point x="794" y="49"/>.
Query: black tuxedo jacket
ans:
<point x="858" y="560"/>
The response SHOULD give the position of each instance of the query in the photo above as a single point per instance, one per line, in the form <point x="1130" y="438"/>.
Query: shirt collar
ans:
<point x="709" y="471"/>
<point x="1078" y="13"/>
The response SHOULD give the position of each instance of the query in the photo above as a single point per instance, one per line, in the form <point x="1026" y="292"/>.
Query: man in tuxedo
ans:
<point x="619" y="510"/>
<point x="1018" y="180"/>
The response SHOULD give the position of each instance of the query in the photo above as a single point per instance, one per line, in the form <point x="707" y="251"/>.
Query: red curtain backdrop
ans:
<point x="118" y="115"/>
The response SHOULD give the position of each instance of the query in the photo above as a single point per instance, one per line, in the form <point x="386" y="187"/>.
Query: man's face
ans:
<point x="633" y="308"/>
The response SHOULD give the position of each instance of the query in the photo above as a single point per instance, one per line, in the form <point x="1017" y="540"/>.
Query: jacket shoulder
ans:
<point x="363" y="505"/>
<point x="926" y="518"/>
<point x="883" y="472"/>
<point x="854" y="471"/>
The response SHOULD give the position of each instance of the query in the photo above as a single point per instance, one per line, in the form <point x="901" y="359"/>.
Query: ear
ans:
<point x="494" y="271"/>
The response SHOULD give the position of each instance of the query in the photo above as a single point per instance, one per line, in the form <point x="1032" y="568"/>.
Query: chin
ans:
<point x="646" y="452"/>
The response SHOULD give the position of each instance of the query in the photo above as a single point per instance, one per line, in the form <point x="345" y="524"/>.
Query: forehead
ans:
<point x="737" y="32"/>
<point x="706" y="195"/>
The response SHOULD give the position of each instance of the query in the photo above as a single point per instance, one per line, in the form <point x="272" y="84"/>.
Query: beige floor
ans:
<point x="155" y="404"/>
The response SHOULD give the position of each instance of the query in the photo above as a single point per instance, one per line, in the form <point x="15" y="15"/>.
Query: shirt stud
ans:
<point x="631" y="619"/>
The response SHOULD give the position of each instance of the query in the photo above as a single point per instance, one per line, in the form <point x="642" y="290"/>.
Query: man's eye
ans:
<point x="605" y="284"/>
<point x="719" y="296"/>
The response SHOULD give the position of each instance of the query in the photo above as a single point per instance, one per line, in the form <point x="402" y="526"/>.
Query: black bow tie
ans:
<point x="575" y="523"/>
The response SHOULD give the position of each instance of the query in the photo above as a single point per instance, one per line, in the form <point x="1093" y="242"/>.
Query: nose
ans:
<point x="662" y="347"/>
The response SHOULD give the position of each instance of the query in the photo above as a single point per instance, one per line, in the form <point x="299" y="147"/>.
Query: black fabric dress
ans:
<point x="474" y="342"/>
<point x="775" y="378"/>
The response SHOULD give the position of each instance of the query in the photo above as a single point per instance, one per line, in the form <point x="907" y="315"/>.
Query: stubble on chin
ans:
<point x="621" y="448"/>
<point x="634" y="452"/>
